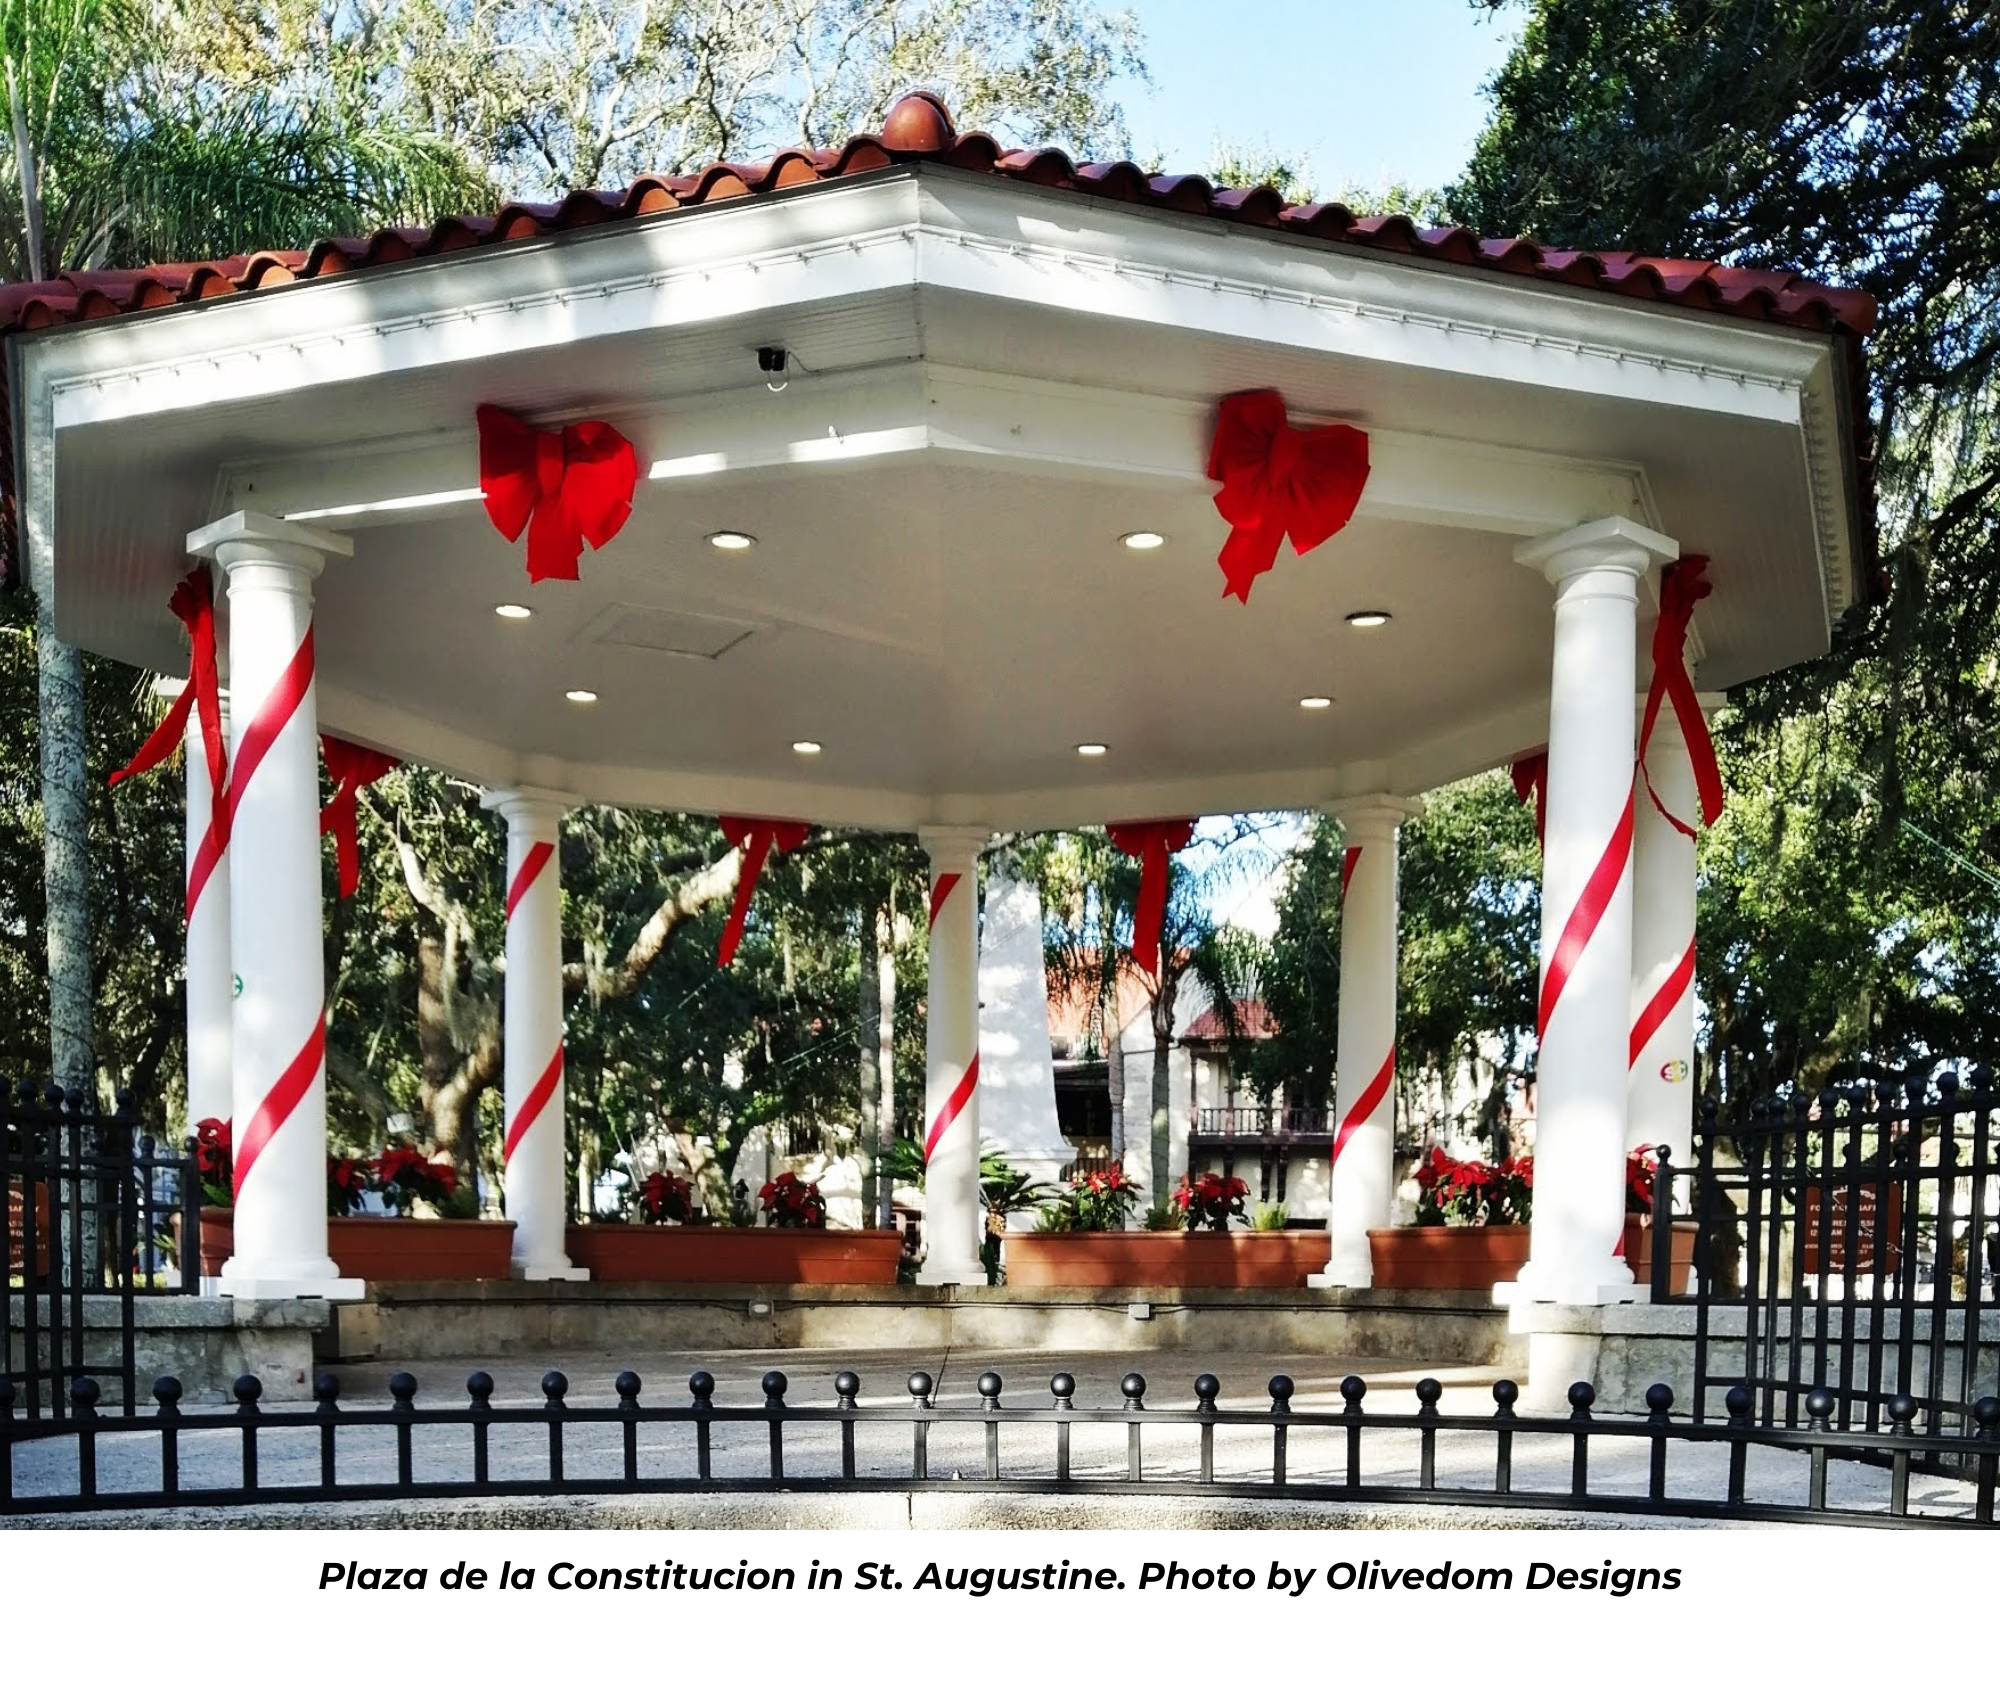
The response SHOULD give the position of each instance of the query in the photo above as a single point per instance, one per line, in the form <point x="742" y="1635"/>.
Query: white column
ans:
<point x="278" y="1028"/>
<point x="952" y="1217"/>
<point x="1660" y="1090"/>
<point x="1362" y="1176"/>
<point x="533" y="1142"/>
<point x="210" y="990"/>
<point x="1586" y="964"/>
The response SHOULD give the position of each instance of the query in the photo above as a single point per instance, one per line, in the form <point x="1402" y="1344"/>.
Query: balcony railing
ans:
<point x="1257" y="1124"/>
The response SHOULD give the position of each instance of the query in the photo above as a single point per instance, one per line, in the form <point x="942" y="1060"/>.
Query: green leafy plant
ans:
<point x="1270" y="1218"/>
<point x="1165" y="1218"/>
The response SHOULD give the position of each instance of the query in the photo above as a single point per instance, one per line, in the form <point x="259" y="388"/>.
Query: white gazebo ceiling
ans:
<point x="989" y="384"/>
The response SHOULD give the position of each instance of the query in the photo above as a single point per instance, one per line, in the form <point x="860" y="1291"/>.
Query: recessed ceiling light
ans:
<point x="1315" y="702"/>
<point x="513" y="611"/>
<point x="1091" y="749"/>
<point x="1142" y="540"/>
<point x="1368" y="617"/>
<point x="805" y="747"/>
<point x="734" y="540"/>
<point x="581" y="696"/>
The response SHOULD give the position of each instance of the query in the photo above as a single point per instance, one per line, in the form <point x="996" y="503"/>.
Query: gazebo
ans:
<point x="926" y="438"/>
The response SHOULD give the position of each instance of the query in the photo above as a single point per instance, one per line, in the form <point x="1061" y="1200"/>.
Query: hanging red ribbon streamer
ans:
<point x="193" y="604"/>
<point x="350" y="766"/>
<point x="567" y="487"/>
<point x="1277" y="481"/>
<point x="1683" y="585"/>
<point x="1531" y="779"/>
<point x="756" y="839"/>
<point x="1152" y="841"/>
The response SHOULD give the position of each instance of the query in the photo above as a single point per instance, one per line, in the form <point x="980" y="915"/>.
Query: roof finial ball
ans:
<point x="918" y="123"/>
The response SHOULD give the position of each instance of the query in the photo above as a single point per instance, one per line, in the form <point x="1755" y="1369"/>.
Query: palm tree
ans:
<point x="119" y="157"/>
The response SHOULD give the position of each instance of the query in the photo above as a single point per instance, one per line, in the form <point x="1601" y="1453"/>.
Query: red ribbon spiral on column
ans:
<point x="1531" y="779"/>
<point x="193" y="604"/>
<point x="1277" y="481"/>
<point x="567" y="487"/>
<point x="756" y="839"/>
<point x="350" y="766"/>
<point x="1152" y="841"/>
<point x="1683" y="585"/>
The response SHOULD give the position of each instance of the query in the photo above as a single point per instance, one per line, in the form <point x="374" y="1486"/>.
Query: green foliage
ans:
<point x="1850" y="903"/>
<point x="1269" y="1218"/>
<point x="1095" y="1203"/>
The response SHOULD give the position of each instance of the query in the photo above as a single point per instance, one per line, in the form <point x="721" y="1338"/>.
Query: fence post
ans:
<point x="920" y="1386"/>
<point x="1661" y="1243"/>
<point x="1134" y="1389"/>
<point x="1063" y="1387"/>
<point x="1206" y="1387"/>
<point x="167" y="1395"/>
<point x="989" y="1400"/>
<point x="846" y="1385"/>
<point x="326" y="1410"/>
<point x="701" y="1385"/>
<point x="1505" y="1393"/>
<point x="248" y="1390"/>
<point x="1581" y="1397"/>
<point x="1280" y="1389"/>
<point x="1987" y="1415"/>
<point x="554" y="1385"/>
<point x="1429" y="1392"/>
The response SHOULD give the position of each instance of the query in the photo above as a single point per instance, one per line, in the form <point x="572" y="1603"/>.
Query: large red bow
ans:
<point x="568" y="487"/>
<point x="350" y="766"/>
<point x="755" y="838"/>
<point x="193" y="603"/>
<point x="1153" y="841"/>
<point x="1531" y="778"/>
<point x="1278" y="480"/>
<point x="1683" y="585"/>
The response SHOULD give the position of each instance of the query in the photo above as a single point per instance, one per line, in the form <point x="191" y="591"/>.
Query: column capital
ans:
<point x="1374" y="816"/>
<point x="953" y="847"/>
<point x="1612" y="543"/>
<point x="246" y="536"/>
<point x="532" y="809"/>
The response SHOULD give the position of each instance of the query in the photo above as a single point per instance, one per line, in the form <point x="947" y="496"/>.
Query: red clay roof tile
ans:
<point x="919" y="127"/>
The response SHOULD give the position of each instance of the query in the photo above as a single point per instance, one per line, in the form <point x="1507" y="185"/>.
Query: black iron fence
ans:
<point x="1662" y="1465"/>
<point x="99" y="1215"/>
<point x="1845" y="1241"/>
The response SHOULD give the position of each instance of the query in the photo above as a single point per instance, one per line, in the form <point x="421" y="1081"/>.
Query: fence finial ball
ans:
<point x="627" y="1385"/>
<point x="774" y="1384"/>
<point x="555" y="1384"/>
<point x="1581" y="1397"/>
<point x="989" y="1385"/>
<point x="1659" y="1398"/>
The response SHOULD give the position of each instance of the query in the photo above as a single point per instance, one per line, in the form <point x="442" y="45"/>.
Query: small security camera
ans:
<point x="771" y="360"/>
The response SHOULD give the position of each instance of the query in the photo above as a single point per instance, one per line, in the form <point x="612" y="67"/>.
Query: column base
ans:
<point x="1608" y="1282"/>
<point x="935" y="1273"/>
<point x="239" y="1283"/>
<point x="1344" y="1272"/>
<point x="564" y="1271"/>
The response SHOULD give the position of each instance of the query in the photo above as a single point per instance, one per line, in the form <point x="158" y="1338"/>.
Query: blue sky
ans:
<point x="1368" y="91"/>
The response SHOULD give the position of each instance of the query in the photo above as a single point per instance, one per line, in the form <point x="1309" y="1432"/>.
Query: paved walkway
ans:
<point x="741" y="1449"/>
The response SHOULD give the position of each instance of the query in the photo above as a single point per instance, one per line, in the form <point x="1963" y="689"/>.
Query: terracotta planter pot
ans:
<point x="1458" y="1260"/>
<point x="1472" y="1260"/>
<point x="387" y="1248"/>
<point x="1138" y="1259"/>
<point x="818" y="1257"/>
<point x="17" y="1230"/>
<point x="1639" y="1253"/>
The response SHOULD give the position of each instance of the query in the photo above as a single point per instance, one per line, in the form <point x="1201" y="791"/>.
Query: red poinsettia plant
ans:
<point x="1212" y="1201"/>
<point x="347" y="1178"/>
<point x="1093" y="1203"/>
<point x="1451" y="1193"/>
<point x="665" y="1197"/>
<point x="407" y="1178"/>
<point x="789" y="1202"/>
<point x="215" y="1162"/>
<point x="1640" y="1166"/>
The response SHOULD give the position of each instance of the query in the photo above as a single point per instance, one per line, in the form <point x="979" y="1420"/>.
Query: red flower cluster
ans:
<point x="215" y="1161"/>
<point x="1452" y="1193"/>
<point x="1210" y="1200"/>
<point x="1639" y="1169"/>
<point x="347" y="1178"/>
<point x="1096" y="1202"/>
<point x="792" y="1203"/>
<point x="665" y="1197"/>
<point x="408" y="1178"/>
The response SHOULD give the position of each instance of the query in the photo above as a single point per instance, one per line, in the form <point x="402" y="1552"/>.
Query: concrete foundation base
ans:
<point x="460" y="1319"/>
<point x="204" y="1343"/>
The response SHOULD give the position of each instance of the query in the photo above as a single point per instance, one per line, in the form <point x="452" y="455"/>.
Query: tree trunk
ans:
<point x="66" y="857"/>
<point x="886" y="938"/>
<point x="868" y="1132"/>
<point x="1163" y="1055"/>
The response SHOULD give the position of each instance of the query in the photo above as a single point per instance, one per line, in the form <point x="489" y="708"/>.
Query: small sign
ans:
<point x="1673" y="1073"/>
<point x="17" y="1229"/>
<point x="1874" y="1210"/>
